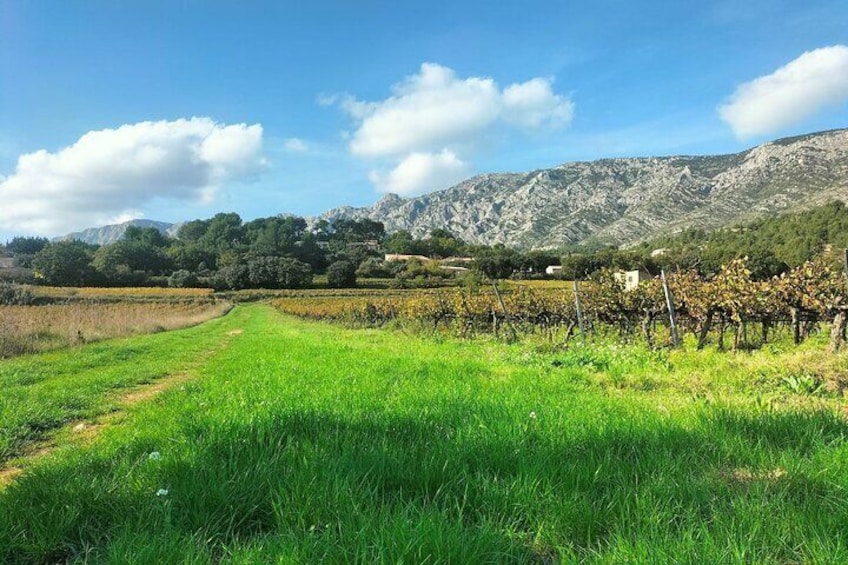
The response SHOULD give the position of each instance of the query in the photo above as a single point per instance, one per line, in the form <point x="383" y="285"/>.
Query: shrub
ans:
<point x="341" y="274"/>
<point x="15" y="295"/>
<point x="182" y="279"/>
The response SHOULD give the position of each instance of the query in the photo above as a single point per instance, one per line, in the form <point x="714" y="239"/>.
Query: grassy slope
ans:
<point x="306" y="443"/>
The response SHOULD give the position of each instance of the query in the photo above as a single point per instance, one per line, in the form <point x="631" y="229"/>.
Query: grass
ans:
<point x="43" y="392"/>
<point x="302" y="443"/>
<point x="30" y="329"/>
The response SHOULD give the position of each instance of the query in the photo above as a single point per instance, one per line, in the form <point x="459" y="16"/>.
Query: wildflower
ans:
<point x="154" y="456"/>
<point x="532" y="415"/>
<point x="162" y="492"/>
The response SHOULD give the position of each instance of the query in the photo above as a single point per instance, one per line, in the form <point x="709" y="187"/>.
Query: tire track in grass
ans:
<point x="80" y="433"/>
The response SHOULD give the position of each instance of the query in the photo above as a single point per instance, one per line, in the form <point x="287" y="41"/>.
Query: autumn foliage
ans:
<point x="731" y="308"/>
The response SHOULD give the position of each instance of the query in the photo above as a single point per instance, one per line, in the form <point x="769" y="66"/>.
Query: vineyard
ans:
<point x="731" y="309"/>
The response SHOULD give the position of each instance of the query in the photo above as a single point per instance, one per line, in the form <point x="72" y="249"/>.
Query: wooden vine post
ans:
<point x="505" y="313"/>
<point x="579" y="308"/>
<point x="837" y="330"/>
<point x="675" y="339"/>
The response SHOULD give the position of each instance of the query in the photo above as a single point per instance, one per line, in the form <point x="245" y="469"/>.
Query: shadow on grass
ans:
<point x="392" y="488"/>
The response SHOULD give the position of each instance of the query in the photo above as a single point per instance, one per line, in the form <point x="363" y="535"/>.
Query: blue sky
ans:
<point x="299" y="107"/>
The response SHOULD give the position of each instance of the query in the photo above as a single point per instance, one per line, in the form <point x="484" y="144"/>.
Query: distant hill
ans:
<point x="624" y="201"/>
<point x="110" y="234"/>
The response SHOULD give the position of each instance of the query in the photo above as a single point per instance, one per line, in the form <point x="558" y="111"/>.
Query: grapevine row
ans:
<point x="731" y="307"/>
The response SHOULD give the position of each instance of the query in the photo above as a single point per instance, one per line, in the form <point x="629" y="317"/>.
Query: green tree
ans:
<point x="443" y="243"/>
<point x="278" y="272"/>
<point x="341" y="274"/>
<point x="403" y="243"/>
<point x="132" y="261"/>
<point x="499" y="262"/>
<point x="150" y="237"/>
<point x="224" y="232"/>
<point x="26" y="245"/>
<point x="66" y="263"/>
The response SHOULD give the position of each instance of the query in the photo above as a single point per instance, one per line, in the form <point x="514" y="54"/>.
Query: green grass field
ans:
<point x="297" y="442"/>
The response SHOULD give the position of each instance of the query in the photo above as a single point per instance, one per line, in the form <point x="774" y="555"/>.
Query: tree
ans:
<point x="66" y="263"/>
<point x="224" y="232"/>
<point x="498" y="262"/>
<point x="193" y="231"/>
<point x="191" y="257"/>
<point x="537" y="261"/>
<point x="373" y="268"/>
<point x="278" y="272"/>
<point x="293" y="273"/>
<point x="341" y="274"/>
<point x="363" y="229"/>
<point x="443" y="243"/>
<point x="308" y="251"/>
<point x="403" y="243"/>
<point x="26" y="245"/>
<point x="233" y="276"/>
<point x="132" y="260"/>
<point x="274" y="236"/>
<point x="150" y="237"/>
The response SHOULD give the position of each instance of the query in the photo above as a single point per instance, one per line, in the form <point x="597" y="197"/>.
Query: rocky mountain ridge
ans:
<point x="623" y="201"/>
<point x="109" y="234"/>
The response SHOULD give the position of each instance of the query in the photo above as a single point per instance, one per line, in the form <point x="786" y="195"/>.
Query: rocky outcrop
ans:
<point x="622" y="201"/>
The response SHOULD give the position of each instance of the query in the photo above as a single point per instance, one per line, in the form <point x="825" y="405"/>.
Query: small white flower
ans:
<point x="154" y="456"/>
<point x="532" y="415"/>
<point x="162" y="492"/>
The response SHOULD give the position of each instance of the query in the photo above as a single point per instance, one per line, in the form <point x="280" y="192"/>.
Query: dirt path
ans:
<point x="82" y="432"/>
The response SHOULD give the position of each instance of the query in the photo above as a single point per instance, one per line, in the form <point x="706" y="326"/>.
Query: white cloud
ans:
<point x="533" y="105"/>
<point x="111" y="173"/>
<point x="428" y="111"/>
<point x="422" y="172"/>
<point x="295" y="145"/>
<point x="123" y="217"/>
<point x="434" y="116"/>
<point x="815" y="80"/>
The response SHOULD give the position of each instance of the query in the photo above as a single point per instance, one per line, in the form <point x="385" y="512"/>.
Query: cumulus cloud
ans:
<point x="112" y="173"/>
<point x="433" y="116"/>
<point x="422" y="172"/>
<point x="533" y="105"/>
<point x="815" y="80"/>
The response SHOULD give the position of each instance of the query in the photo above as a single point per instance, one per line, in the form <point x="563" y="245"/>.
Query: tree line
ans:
<point x="224" y="252"/>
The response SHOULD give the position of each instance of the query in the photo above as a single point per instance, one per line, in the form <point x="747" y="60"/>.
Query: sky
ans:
<point x="178" y="109"/>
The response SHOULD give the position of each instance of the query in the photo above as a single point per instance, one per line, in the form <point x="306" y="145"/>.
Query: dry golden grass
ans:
<point x="132" y="292"/>
<point x="29" y="329"/>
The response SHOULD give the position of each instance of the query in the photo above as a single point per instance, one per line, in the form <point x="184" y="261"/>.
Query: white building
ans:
<point x="631" y="279"/>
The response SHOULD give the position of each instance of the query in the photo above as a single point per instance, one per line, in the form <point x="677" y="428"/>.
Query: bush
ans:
<point x="232" y="277"/>
<point x="15" y="295"/>
<point x="373" y="268"/>
<point x="182" y="279"/>
<point x="341" y="274"/>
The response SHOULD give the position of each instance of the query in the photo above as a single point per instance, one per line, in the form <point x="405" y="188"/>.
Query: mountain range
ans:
<point x="615" y="201"/>
<point x="105" y="235"/>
